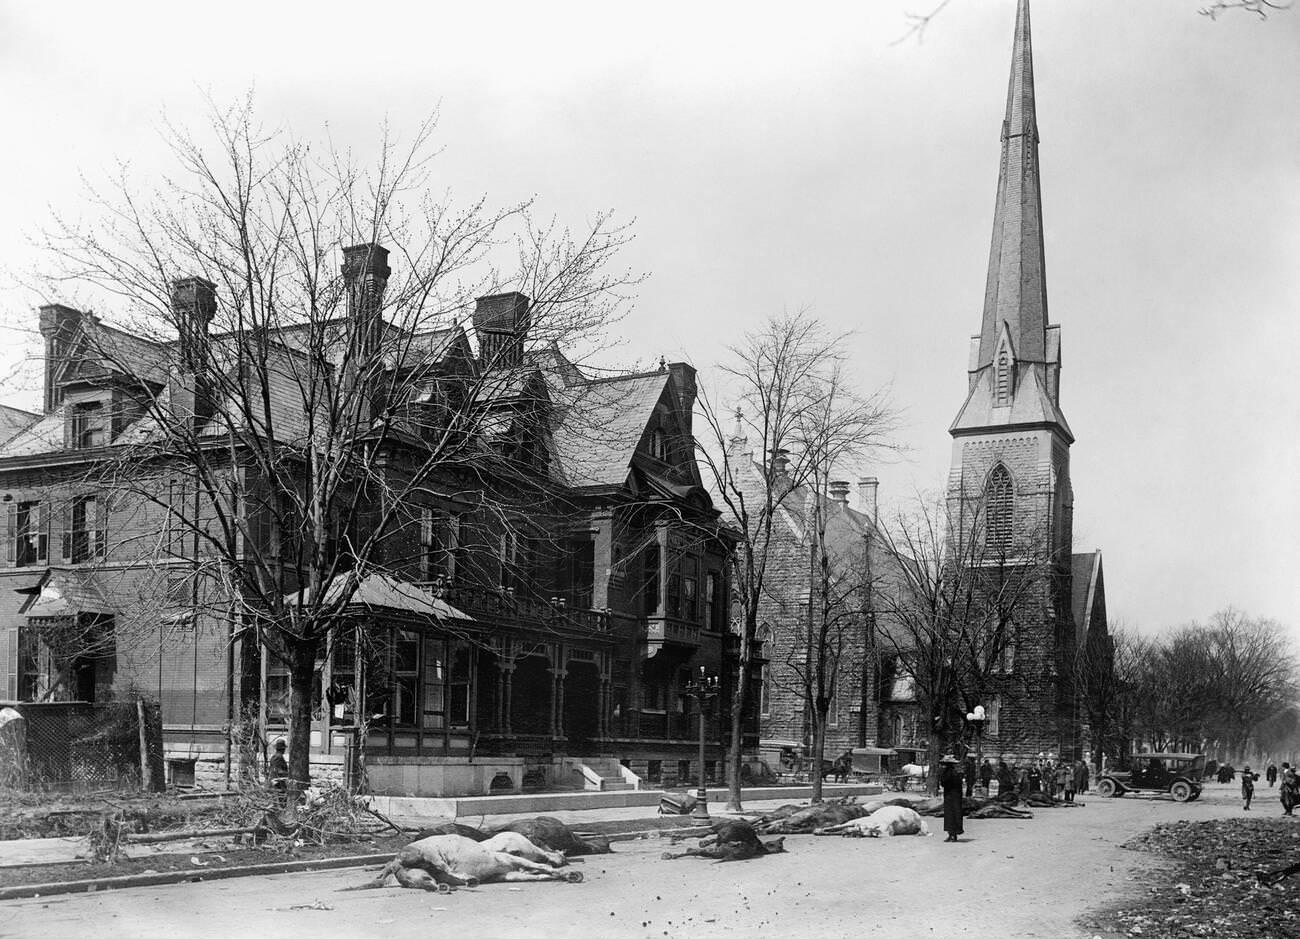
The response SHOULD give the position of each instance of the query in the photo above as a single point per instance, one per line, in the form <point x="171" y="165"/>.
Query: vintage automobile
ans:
<point x="1178" y="774"/>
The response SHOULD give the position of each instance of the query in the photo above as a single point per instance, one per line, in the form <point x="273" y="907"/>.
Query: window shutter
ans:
<point x="11" y="533"/>
<point x="65" y="528"/>
<point x="101" y="528"/>
<point x="11" y="664"/>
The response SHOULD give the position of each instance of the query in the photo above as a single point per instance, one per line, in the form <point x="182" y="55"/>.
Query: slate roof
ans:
<point x="1085" y="581"/>
<point x="601" y="424"/>
<point x="1030" y="404"/>
<point x="384" y="592"/>
<point x="67" y="592"/>
<point x="13" y="420"/>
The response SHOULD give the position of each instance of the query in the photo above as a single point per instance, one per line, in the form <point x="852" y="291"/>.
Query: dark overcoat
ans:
<point x="950" y="780"/>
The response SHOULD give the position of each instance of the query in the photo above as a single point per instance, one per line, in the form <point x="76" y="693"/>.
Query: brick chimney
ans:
<point x="839" y="493"/>
<point x="684" y="382"/>
<point x="501" y="322"/>
<point x="194" y="305"/>
<point x="57" y="323"/>
<point x="365" y="274"/>
<point x="868" y="487"/>
<point x="781" y="463"/>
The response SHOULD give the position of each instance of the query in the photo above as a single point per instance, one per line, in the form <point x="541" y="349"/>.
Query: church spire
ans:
<point x="1016" y="291"/>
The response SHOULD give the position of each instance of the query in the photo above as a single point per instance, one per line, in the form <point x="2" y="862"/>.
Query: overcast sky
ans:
<point x="775" y="159"/>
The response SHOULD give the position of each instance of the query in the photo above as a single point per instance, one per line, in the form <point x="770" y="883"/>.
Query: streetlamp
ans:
<point x="976" y="721"/>
<point x="702" y="689"/>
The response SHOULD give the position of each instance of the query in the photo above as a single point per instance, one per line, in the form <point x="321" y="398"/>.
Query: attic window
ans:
<point x="88" y="425"/>
<point x="1003" y="390"/>
<point x="659" y="444"/>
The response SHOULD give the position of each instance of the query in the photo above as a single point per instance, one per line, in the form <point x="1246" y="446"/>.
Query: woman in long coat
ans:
<point x="950" y="780"/>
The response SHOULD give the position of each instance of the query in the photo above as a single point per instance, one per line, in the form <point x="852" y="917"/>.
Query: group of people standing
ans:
<point x="1289" y="792"/>
<point x="1057" y="780"/>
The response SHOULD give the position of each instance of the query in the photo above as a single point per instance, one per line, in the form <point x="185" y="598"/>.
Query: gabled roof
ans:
<point x="1086" y="589"/>
<point x="12" y="420"/>
<point x="601" y="424"/>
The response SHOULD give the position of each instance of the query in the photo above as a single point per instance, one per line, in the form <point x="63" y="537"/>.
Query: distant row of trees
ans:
<point x="1229" y="686"/>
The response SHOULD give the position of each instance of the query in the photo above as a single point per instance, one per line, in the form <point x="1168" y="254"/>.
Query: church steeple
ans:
<point x="1016" y="292"/>
<point x="1015" y="360"/>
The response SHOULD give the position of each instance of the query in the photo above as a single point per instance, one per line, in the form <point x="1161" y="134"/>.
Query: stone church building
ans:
<point x="1011" y="454"/>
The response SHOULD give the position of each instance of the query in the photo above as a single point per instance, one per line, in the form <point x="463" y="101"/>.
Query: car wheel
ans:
<point x="1107" y="788"/>
<point x="1181" y="791"/>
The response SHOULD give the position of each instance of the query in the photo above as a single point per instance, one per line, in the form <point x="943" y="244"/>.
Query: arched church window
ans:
<point x="1003" y="379"/>
<point x="999" y="510"/>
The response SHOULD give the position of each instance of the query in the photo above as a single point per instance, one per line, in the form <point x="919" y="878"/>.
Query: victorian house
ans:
<point x="526" y="611"/>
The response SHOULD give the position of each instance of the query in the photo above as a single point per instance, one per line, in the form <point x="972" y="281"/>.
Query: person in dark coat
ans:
<point x="1271" y="774"/>
<point x="279" y="768"/>
<point x="971" y="768"/>
<point x="950" y="780"/>
<point x="1081" y="776"/>
<point x="986" y="775"/>
<point x="1006" y="781"/>
<point x="1247" y="787"/>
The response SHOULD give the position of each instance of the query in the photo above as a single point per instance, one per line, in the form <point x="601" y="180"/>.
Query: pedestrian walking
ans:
<point x="986" y="775"/>
<point x="1290" y="789"/>
<point x="1247" y="787"/>
<point x="1271" y="774"/>
<point x="969" y="771"/>
<point x="950" y="780"/>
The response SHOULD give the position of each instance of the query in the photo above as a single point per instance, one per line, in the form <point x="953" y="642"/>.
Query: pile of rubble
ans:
<point x="1216" y="889"/>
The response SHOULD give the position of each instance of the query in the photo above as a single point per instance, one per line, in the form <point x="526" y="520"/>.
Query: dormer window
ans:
<point x="88" y="425"/>
<point x="659" y="444"/>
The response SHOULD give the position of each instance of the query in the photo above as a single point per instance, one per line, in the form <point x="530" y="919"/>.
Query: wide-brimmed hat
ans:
<point x="947" y="758"/>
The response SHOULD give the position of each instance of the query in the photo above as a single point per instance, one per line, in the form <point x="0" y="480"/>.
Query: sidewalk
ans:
<point x="592" y="818"/>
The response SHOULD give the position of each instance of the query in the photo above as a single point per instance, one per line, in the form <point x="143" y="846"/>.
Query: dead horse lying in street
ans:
<point x="731" y="841"/>
<point x="441" y="862"/>
<point x="554" y="835"/>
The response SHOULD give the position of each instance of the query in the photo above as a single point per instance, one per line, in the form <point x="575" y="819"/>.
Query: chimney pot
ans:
<point x="781" y="461"/>
<point x="839" y="492"/>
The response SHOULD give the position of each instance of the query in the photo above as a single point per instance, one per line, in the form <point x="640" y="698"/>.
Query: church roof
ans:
<point x="1086" y="588"/>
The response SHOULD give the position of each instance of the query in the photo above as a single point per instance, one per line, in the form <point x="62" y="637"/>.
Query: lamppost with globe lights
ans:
<point x="702" y="689"/>
<point x="975" y="719"/>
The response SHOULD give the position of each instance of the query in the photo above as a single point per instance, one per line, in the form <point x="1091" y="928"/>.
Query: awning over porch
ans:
<point x="66" y="593"/>
<point x="385" y="592"/>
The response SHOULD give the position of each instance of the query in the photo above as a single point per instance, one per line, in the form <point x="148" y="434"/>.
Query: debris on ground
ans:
<point x="1214" y="891"/>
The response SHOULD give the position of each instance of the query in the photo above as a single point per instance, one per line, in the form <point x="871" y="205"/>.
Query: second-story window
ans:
<point x="691" y="588"/>
<point x="713" y="600"/>
<point x="85" y="537"/>
<point x="88" y="425"/>
<point x="438" y="536"/>
<point x="32" y="538"/>
<point x="650" y="579"/>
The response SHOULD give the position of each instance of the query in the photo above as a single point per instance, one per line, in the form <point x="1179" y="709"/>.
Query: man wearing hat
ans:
<point x="950" y="779"/>
<point x="279" y="767"/>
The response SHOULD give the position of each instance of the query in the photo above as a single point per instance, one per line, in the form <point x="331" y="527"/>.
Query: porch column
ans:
<point x="507" y="697"/>
<point x="498" y="699"/>
<point x="557" y="702"/>
<point x="602" y="709"/>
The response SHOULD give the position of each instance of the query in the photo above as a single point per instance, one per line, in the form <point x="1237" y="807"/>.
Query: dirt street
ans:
<point x="1005" y="879"/>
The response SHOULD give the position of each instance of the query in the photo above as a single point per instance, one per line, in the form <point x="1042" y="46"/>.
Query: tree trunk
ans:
<point x="302" y="680"/>
<point x="820" y="711"/>
<point x="736" y="744"/>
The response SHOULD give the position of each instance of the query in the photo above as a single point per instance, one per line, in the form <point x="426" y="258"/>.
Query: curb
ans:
<point x="179" y="877"/>
<point x="164" y="878"/>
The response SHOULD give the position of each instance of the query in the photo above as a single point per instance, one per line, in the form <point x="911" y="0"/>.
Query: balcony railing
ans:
<point x="667" y="629"/>
<point x="505" y="603"/>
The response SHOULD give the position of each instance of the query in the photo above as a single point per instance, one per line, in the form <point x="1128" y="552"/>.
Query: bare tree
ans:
<point x="949" y="603"/>
<point x="303" y="427"/>
<point x="795" y="420"/>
